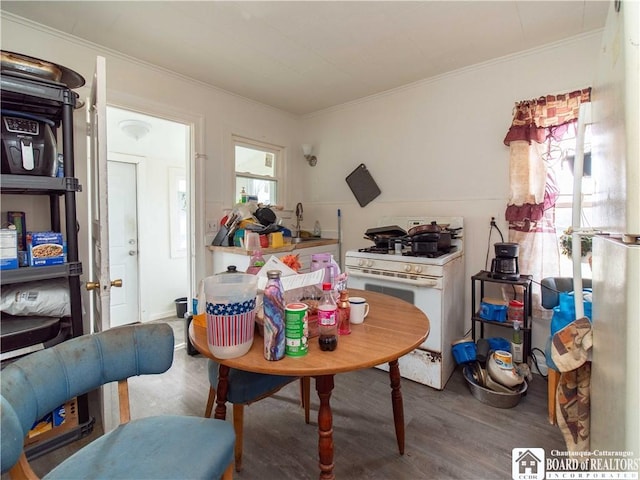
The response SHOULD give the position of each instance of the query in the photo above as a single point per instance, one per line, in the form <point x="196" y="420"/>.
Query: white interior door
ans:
<point x="99" y="268"/>
<point x="123" y="241"/>
<point x="99" y="275"/>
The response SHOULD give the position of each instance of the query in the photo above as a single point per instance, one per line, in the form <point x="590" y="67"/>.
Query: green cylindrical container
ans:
<point x="296" y="330"/>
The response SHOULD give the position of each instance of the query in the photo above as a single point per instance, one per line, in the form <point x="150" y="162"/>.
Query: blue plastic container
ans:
<point x="464" y="352"/>
<point x="493" y="312"/>
<point x="499" y="343"/>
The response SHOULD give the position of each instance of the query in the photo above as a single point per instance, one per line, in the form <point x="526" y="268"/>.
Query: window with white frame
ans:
<point x="560" y="159"/>
<point x="258" y="170"/>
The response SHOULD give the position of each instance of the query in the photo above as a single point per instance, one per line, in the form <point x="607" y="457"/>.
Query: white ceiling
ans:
<point x="305" y="56"/>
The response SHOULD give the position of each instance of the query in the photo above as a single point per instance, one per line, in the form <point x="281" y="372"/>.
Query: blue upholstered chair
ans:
<point x="160" y="447"/>
<point x="551" y="287"/>
<point x="246" y="388"/>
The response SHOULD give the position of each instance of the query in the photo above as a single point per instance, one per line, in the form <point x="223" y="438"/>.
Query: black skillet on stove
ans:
<point x="430" y="238"/>
<point x="381" y="235"/>
<point x="434" y="227"/>
<point x="424" y="243"/>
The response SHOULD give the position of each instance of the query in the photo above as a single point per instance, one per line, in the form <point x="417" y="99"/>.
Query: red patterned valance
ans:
<point x="531" y="118"/>
<point x="528" y="216"/>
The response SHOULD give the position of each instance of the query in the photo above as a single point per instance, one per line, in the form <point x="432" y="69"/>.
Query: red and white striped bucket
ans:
<point x="230" y="336"/>
<point x="227" y="331"/>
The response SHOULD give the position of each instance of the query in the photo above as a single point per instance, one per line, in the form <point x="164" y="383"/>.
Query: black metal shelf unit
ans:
<point x="478" y="284"/>
<point x="56" y="102"/>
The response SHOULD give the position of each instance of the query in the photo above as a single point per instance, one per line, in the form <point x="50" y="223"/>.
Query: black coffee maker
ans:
<point x="505" y="264"/>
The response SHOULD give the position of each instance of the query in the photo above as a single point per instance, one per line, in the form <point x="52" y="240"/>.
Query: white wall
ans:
<point x="436" y="147"/>
<point x="215" y="115"/>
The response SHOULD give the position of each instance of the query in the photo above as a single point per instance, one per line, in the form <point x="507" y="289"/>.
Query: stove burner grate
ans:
<point x="436" y="254"/>
<point x="385" y="251"/>
<point x="374" y="250"/>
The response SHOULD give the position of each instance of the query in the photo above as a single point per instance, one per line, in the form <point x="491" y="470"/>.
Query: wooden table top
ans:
<point x="392" y="329"/>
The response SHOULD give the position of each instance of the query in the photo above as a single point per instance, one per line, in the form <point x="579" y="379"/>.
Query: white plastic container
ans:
<point x="501" y="369"/>
<point x="230" y="313"/>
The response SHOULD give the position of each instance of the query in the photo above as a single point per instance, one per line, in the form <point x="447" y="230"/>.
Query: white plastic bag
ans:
<point x="49" y="298"/>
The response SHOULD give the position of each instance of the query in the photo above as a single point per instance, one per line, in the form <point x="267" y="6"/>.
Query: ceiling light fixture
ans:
<point x="135" y="129"/>
<point x="306" y="150"/>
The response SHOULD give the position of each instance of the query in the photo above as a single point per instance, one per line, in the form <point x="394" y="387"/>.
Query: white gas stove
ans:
<point x="433" y="284"/>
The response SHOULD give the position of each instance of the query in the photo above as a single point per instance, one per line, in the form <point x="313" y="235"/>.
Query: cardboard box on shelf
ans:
<point x="63" y="418"/>
<point x="8" y="249"/>
<point x="45" y="248"/>
<point x="18" y="220"/>
<point x="45" y="424"/>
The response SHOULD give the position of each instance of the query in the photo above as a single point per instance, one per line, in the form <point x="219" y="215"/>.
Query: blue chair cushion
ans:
<point x="163" y="447"/>
<point x="246" y="387"/>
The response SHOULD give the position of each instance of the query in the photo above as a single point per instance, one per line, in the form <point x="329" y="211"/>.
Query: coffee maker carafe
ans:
<point x="505" y="264"/>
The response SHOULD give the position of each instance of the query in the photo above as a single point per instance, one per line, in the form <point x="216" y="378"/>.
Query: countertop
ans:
<point x="321" y="242"/>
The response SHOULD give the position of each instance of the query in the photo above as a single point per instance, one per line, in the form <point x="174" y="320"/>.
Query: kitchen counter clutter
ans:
<point x="225" y="256"/>
<point x="312" y="242"/>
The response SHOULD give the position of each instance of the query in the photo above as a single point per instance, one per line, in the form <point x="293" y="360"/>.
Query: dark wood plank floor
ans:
<point x="449" y="434"/>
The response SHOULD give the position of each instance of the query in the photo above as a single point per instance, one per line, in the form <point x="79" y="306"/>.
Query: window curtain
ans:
<point x="532" y="188"/>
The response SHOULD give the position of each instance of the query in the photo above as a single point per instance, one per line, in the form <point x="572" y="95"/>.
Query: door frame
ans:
<point x="195" y="168"/>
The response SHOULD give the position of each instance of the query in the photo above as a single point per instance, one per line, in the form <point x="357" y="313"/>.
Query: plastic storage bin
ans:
<point x="464" y="351"/>
<point x="494" y="310"/>
<point x="499" y="343"/>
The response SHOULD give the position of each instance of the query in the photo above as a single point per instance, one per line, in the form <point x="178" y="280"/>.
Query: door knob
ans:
<point x="96" y="285"/>
<point x="132" y="252"/>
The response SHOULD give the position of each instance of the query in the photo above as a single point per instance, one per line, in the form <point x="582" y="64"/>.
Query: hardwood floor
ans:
<point x="449" y="434"/>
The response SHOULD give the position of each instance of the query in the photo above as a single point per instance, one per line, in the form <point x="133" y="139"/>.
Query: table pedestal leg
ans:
<point x="396" y="402"/>
<point x="324" y="386"/>
<point x="221" y="393"/>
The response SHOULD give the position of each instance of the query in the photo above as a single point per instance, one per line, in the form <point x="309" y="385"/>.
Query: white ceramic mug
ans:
<point x="359" y="309"/>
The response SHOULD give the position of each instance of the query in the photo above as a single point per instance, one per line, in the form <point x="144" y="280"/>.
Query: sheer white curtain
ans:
<point x="537" y="125"/>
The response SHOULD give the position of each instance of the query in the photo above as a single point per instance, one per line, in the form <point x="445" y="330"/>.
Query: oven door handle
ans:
<point x="419" y="282"/>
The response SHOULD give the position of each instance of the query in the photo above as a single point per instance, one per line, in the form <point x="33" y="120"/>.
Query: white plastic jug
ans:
<point x="325" y="261"/>
<point x="230" y="313"/>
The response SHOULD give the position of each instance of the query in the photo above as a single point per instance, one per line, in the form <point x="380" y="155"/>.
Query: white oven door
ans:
<point x="427" y="299"/>
<point x="443" y="301"/>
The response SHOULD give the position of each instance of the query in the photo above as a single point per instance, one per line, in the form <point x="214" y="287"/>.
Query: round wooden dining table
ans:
<point x="392" y="329"/>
